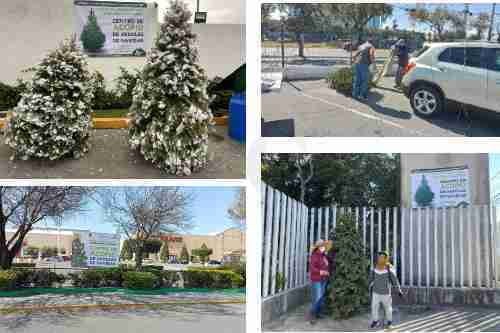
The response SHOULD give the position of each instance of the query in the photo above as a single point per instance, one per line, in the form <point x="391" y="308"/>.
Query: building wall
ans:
<point x="223" y="243"/>
<point x="29" y="29"/>
<point x="41" y="239"/>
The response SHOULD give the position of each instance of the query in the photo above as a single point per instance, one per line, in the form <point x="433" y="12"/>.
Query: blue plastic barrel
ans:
<point x="237" y="117"/>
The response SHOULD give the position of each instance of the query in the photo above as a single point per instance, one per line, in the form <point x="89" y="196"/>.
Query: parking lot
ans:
<point x="310" y="108"/>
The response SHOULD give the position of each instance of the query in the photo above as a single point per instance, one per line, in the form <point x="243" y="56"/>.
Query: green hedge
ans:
<point x="212" y="278"/>
<point x="140" y="280"/>
<point x="7" y="280"/>
<point x="23" y="265"/>
<point x="42" y="278"/>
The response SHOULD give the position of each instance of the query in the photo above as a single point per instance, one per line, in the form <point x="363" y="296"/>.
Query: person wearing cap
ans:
<point x="319" y="274"/>
<point x="382" y="279"/>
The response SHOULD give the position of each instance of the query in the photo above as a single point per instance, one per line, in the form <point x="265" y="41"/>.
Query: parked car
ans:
<point x="53" y="259"/>
<point x="213" y="263"/>
<point x="464" y="72"/>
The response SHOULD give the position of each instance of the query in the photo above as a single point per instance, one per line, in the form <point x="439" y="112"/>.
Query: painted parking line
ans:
<point x="362" y="114"/>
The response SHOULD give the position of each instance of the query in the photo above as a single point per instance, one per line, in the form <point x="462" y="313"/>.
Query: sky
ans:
<point x="494" y="173"/>
<point x="401" y="15"/>
<point x="209" y="211"/>
<point x="218" y="11"/>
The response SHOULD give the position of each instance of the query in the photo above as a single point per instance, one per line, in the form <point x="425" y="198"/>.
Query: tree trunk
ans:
<point x="300" y="42"/>
<point x="6" y="259"/>
<point x="138" y="258"/>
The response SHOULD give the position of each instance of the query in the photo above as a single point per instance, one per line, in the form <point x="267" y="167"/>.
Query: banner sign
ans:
<point x="92" y="249"/>
<point x="445" y="187"/>
<point x="105" y="28"/>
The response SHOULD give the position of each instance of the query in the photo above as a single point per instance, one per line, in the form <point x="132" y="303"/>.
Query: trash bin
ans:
<point x="237" y="116"/>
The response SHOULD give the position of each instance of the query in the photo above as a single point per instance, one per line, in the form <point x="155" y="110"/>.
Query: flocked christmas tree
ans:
<point x="53" y="118"/>
<point x="92" y="36"/>
<point x="170" y="115"/>
<point x="424" y="194"/>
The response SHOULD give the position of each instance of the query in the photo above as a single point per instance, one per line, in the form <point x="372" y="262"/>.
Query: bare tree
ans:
<point x="21" y="208"/>
<point x="305" y="171"/>
<point x="142" y="213"/>
<point x="237" y="212"/>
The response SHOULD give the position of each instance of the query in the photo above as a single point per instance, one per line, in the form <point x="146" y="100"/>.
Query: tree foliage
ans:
<point x="424" y="194"/>
<point x="164" y="253"/>
<point x="170" y="114"/>
<point x="184" y="253"/>
<point x="437" y="19"/>
<point x="92" y="36"/>
<point x="203" y="253"/>
<point x="237" y="211"/>
<point x="78" y="257"/>
<point x="53" y="118"/>
<point x="23" y="208"/>
<point x="142" y="213"/>
<point x="342" y="179"/>
<point x="349" y="285"/>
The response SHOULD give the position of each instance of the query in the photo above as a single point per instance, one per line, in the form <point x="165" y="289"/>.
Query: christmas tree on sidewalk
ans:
<point x="170" y="115"/>
<point x="53" y="118"/>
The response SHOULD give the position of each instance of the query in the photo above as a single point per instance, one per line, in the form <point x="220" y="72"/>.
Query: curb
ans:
<point x="117" y="123"/>
<point x="83" y="307"/>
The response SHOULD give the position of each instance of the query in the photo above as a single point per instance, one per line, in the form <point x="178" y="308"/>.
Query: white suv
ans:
<point x="464" y="72"/>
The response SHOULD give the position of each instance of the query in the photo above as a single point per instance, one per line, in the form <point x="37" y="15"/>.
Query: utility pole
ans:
<point x="492" y="20"/>
<point x="197" y="5"/>
<point x="466" y="18"/>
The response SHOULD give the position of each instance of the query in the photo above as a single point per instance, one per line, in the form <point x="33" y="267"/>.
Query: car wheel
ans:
<point x="426" y="101"/>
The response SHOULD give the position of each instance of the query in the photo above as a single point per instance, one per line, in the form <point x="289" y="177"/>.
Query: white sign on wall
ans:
<point x="105" y="28"/>
<point x="445" y="187"/>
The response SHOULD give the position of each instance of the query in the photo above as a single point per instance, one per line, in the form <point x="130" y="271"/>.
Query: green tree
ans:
<point x="203" y="253"/>
<point x="127" y="252"/>
<point x="348" y="292"/>
<point x="53" y="118"/>
<point x="342" y="179"/>
<point x="184" y="253"/>
<point x="170" y="116"/>
<point x="92" y="36"/>
<point x="424" y="194"/>
<point x="164" y="253"/>
<point x="48" y="251"/>
<point x="78" y="258"/>
<point x="31" y="251"/>
<point x="437" y="19"/>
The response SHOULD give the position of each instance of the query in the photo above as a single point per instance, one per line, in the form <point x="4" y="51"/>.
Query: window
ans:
<point x="473" y="57"/>
<point x="494" y="59"/>
<point x="470" y="56"/>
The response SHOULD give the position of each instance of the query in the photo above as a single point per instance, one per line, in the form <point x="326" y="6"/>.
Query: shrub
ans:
<point x="42" y="278"/>
<point x="23" y="265"/>
<point x="111" y="277"/>
<point x="204" y="278"/>
<point x="125" y="84"/>
<point x="341" y="80"/>
<point x="10" y="95"/>
<point x="7" y="280"/>
<point x="169" y="278"/>
<point x="349" y="285"/>
<point x="140" y="280"/>
<point x="90" y="278"/>
<point x="237" y="267"/>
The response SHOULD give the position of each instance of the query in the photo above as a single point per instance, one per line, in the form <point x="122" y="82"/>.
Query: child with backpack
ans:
<point x="382" y="279"/>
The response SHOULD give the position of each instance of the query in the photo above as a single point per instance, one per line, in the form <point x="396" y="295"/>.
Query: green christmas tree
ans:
<point x="349" y="285"/>
<point x="184" y="253"/>
<point x="170" y="115"/>
<point x="53" y="118"/>
<point x="203" y="253"/>
<point x="92" y="36"/>
<point x="164" y="253"/>
<point x="424" y="194"/>
<point x="78" y="258"/>
<point x="127" y="252"/>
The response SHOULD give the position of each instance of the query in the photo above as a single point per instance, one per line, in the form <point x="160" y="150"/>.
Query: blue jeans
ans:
<point x="318" y="296"/>
<point x="360" y="81"/>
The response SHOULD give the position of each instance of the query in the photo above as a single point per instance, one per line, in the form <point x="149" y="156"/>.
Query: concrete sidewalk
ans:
<point x="437" y="319"/>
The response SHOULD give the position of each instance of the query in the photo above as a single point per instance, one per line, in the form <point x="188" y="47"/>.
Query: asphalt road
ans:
<point x="178" y="319"/>
<point x="111" y="157"/>
<point x="311" y="109"/>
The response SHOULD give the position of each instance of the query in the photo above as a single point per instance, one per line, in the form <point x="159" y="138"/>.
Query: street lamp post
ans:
<point x="282" y="41"/>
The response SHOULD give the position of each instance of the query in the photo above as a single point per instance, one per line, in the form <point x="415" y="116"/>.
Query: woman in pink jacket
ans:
<point x="319" y="274"/>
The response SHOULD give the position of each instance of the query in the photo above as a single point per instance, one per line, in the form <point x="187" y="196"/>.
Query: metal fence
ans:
<point x="429" y="247"/>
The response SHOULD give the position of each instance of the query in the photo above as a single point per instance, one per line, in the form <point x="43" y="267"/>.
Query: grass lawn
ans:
<point x="112" y="113"/>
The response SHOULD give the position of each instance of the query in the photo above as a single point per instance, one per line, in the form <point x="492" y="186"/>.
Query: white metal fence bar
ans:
<point x="267" y="247"/>
<point x="427" y="247"/>
<point x="282" y="223"/>
<point x="403" y="252"/>
<point x="412" y="235"/>
<point x="274" y="250"/>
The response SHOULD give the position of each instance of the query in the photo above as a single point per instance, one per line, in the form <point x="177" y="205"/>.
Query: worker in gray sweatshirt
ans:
<point x="382" y="279"/>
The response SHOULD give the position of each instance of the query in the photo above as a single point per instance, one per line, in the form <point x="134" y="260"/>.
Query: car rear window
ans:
<point x="468" y="56"/>
<point x="420" y="51"/>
